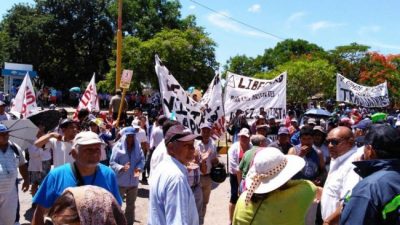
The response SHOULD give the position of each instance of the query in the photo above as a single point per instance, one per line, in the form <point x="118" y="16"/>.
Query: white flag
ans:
<point x="25" y="100"/>
<point x="89" y="99"/>
<point x="179" y="105"/>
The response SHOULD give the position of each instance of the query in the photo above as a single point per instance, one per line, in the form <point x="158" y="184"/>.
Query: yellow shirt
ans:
<point x="285" y="206"/>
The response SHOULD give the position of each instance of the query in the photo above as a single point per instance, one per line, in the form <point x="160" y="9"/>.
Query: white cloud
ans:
<point x="365" y="30"/>
<point x="324" y="25"/>
<point x="223" y="22"/>
<point x="192" y="7"/>
<point x="295" y="17"/>
<point x="254" y="8"/>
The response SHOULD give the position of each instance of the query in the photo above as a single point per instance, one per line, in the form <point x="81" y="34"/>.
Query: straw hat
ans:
<point x="270" y="170"/>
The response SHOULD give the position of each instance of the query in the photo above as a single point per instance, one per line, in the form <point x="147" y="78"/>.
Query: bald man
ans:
<point x="341" y="177"/>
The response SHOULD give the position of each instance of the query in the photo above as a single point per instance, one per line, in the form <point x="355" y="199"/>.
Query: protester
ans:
<point x="207" y="150"/>
<point x="360" y="129"/>
<point x="194" y="169"/>
<point x="86" y="205"/>
<point x="156" y="138"/>
<point x="61" y="145"/>
<point x="11" y="159"/>
<point x="171" y="198"/>
<point x="127" y="161"/>
<point x="319" y="144"/>
<point x="97" y="126"/>
<point x="114" y="107"/>
<point x="3" y="114"/>
<point x="374" y="199"/>
<point x="258" y="141"/>
<point x="86" y="151"/>
<point x="341" y="178"/>
<point x="141" y="136"/>
<point x="283" y="141"/>
<point x="235" y="155"/>
<point x="271" y="198"/>
<point x="39" y="164"/>
<point x="161" y="151"/>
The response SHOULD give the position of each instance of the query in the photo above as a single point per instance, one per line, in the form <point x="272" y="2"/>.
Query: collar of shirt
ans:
<point x="335" y="163"/>
<point x="180" y="166"/>
<point x="368" y="167"/>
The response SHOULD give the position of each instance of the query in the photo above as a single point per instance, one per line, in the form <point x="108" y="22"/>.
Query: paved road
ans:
<point x="217" y="212"/>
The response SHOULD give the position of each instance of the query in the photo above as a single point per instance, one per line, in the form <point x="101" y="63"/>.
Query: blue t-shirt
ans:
<point x="62" y="177"/>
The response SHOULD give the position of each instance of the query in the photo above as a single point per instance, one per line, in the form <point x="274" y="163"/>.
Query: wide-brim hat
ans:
<point x="273" y="162"/>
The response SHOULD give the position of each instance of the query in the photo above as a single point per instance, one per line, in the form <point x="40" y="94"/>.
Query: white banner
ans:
<point x="89" y="99"/>
<point x="25" y="100"/>
<point x="179" y="105"/>
<point x="250" y="94"/>
<point x="350" y="92"/>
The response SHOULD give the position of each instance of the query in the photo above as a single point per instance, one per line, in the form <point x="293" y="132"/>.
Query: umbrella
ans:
<point x="48" y="118"/>
<point x="22" y="132"/>
<point x="318" y="112"/>
<point x="75" y="89"/>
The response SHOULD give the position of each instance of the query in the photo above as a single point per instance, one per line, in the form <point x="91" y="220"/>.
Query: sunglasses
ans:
<point x="334" y="142"/>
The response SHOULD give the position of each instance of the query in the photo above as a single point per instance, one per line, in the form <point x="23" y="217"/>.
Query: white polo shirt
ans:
<point x="9" y="163"/>
<point x="202" y="148"/>
<point x="340" y="181"/>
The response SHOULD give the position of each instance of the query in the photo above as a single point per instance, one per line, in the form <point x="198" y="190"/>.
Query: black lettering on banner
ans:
<point x="255" y="85"/>
<point x="240" y="84"/>
<point x="173" y="87"/>
<point x="181" y="110"/>
<point x="170" y="103"/>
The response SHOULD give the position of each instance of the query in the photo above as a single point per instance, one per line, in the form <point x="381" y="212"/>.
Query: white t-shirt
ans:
<point x="158" y="155"/>
<point x="141" y="136"/>
<point x="156" y="136"/>
<point x="36" y="156"/>
<point x="61" y="151"/>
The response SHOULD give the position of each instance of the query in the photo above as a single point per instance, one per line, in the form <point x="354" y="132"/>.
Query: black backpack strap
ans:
<point x="77" y="175"/>
<point x="14" y="148"/>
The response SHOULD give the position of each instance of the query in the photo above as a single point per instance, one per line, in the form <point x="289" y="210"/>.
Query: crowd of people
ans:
<point x="317" y="170"/>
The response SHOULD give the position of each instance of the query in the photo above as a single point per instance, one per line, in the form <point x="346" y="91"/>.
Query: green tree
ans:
<point x="143" y="19"/>
<point x="188" y="54"/>
<point x="349" y="60"/>
<point x="66" y="41"/>
<point x="287" y="50"/>
<point x="243" y="65"/>
<point x="306" y="78"/>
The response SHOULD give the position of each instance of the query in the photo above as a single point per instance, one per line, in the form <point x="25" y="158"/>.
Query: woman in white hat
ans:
<point x="271" y="197"/>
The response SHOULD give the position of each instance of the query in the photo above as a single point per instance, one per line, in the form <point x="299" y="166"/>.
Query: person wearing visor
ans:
<point x="171" y="198"/>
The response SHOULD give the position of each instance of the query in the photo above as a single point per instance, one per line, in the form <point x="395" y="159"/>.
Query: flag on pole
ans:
<point x="89" y="99"/>
<point x="25" y="100"/>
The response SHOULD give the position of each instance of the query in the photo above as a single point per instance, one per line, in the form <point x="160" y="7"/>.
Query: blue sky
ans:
<point x="325" y="23"/>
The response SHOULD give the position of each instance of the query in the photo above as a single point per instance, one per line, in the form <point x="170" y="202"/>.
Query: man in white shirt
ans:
<point x="160" y="151"/>
<point x="207" y="149"/>
<point x="156" y="137"/>
<point x="141" y="137"/>
<point x="341" y="177"/>
<point x="171" y="198"/>
<point x="3" y="114"/>
<point x="60" y="144"/>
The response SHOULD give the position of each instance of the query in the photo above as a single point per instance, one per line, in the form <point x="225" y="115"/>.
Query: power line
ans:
<point x="238" y="21"/>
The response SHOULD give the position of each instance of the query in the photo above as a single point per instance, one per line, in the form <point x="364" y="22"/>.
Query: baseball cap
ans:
<point x="206" y="125"/>
<point x="2" y="103"/>
<point x="311" y="121"/>
<point x="363" y="124"/>
<point x="3" y="128"/>
<point x="320" y="129"/>
<point x="244" y="132"/>
<point x="86" y="138"/>
<point x="283" y="130"/>
<point x="384" y="139"/>
<point x="179" y="133"/>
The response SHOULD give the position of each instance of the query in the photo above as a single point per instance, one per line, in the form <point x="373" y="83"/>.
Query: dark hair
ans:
<point x="161" y="120"/>
<point x="385" y="141"/>
<point x="64" y="113"/>
<point x="83" y="113"/>
<point x="167" y="124"/>
<point x="306" y="131"/>
<point x="64" y="202"/>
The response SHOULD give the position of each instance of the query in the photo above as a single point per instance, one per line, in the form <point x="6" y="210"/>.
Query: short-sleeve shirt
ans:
<point x="245" y="164"/>
<point x="115" y="101"/>
<point x="61" y="151"/>
<point x="141" y="136"/>
<point x="62" y="177"/>
<point x="9" y="163"/>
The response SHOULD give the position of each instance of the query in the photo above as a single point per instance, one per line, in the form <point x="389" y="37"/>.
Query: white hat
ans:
<point x="135" y="123"/>
<point x="87" y="138"/>
<point x="271" y="169"/>
<point x="244" y="132"/>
